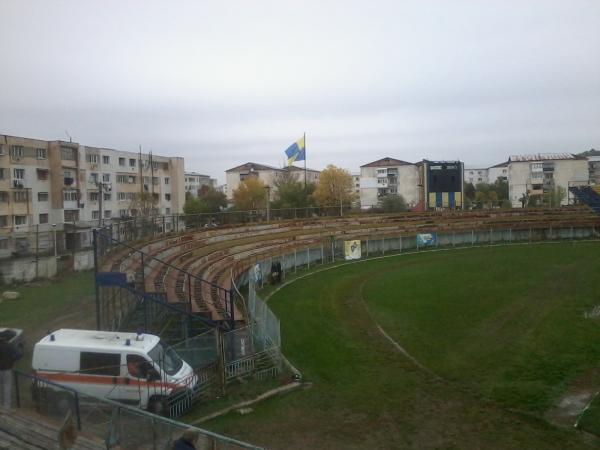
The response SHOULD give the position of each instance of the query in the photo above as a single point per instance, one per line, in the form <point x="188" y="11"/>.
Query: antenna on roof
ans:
<point x="69" y="136"/>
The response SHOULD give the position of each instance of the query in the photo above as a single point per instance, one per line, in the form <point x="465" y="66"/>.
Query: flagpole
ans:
<point x="304" y="161"/>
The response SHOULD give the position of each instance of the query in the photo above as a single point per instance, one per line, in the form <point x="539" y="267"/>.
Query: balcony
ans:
<point x="18" y="183"/>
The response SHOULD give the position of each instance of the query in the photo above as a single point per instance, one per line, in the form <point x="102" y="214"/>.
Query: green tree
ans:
<point x="291" y="192"/>
<point x="555" y="197"/>
<point x="213" y="200"/>
<point x="470" y="191"/>
<point x="251" y="194"/>
<point x="335" y="187"/>
<point x="393" y="203"/>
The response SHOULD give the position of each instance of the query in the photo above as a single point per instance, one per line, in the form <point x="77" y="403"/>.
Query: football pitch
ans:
<point x="465" y="349"/>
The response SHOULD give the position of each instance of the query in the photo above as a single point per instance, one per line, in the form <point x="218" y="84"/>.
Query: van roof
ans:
<point x="99" y="340"/>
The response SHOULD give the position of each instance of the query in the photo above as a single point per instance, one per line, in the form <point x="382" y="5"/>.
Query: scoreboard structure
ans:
<point x="443" y="183"/>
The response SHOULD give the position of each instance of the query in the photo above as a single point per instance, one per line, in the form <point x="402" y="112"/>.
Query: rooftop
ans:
<point x="541" y="157"/>
<point x="99" y="339"/>
<point x="250" y="166"/>
<point x="387" y="161"/>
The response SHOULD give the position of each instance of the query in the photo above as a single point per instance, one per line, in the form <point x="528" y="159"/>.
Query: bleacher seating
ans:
<point x="590" y="195"/>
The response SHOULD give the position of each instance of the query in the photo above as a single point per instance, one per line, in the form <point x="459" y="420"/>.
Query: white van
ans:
<point x="137" y="369"/>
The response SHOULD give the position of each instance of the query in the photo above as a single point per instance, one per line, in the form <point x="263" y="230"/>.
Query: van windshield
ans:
<point x="166" y="358"/>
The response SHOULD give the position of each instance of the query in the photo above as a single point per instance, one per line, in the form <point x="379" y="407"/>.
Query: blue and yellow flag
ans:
<point x="296" y="152"/>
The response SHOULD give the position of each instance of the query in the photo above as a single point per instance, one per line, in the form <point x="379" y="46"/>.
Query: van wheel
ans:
<point x="158" y="405"/>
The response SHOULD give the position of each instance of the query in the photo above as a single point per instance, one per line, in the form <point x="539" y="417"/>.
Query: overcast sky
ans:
<point x="225" y="82"/>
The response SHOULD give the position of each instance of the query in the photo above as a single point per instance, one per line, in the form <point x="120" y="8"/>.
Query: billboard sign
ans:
<point x="426" y="240"/>
<point x="352" y="250"/>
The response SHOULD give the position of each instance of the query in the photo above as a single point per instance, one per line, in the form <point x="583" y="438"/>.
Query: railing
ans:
<point x="104" y="423"/>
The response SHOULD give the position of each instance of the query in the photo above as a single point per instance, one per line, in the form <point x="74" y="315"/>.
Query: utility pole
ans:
<point x="100" y="185"/>
<point x="268" y="188"/>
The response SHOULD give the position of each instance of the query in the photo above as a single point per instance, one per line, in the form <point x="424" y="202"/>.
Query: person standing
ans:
<point x="8" y="356"/>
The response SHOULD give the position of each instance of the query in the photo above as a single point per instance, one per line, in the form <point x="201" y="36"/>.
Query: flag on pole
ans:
<point x="296" y="152"/>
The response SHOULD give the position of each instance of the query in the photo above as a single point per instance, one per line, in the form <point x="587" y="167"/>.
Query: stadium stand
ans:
<point x="589" y="195"/>
<point x="200" y="263"/>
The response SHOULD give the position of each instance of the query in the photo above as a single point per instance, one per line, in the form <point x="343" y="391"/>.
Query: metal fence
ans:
<point x="332" y="250"/>
<point x="105" y="424"/>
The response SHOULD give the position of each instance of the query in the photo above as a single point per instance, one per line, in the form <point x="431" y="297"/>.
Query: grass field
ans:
<point x="66" y="301"/>
<point x="502" y="328"/>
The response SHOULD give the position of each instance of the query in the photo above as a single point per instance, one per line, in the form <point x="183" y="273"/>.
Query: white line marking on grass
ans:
<point x="391" y="340"/>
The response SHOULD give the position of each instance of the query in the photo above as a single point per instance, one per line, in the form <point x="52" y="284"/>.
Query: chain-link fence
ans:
<point x="332" y="250"/>
<point x="101" y="423"/>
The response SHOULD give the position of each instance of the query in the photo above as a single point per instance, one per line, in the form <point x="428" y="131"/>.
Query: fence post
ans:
<point x="308" y="258"/>
<point x="490" y="236"/>
<point x="190" y="291"/>
<point x="332" y="251"/>
<point x="400" y="243"/>
<point x="383" y="246"/>
<point x="510" y="235"/>
<point x="322" y="255"/>
<point x="530" y="235"/>
<point x="367" y="248"/>
<point x="77" y="413"/>
<point x="96" y="287"/>
<point x="295" y="264"/>
<point x="572" y="234"/>
<point x="143" y="274"/>
<point x="472" y="238"/>
<point x="17" y="390"/>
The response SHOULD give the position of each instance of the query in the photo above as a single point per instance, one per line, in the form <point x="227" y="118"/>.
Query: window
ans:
<point x="44" y="218"/>
<point x="139" y="367"/>
<point x="42" y="196"/>
<point x="107" y="213"/>
<point x="126" y="196"/>
<point x="1" y="149"/>
<point x="93" y="196"/>
<point x="131" y="162"/>
<point x="122" y="213"/>
<point x="20" y="220"/>
<point x="126" y="179"/>
<point x="106" y="177"/>
<point x="100" y="363"/>
<point x="166" y="180"/>
<point x="16" y="152"/>
<point x="105" y="159"/>
<point x="155" y="181"/>
<point x="3" y="173"/>
<point x="18" y="174"/>
<point x="68" y="154"/>
<point x="167" y="211"/>
<point x="3" y="196"/>
<point x="95" y="214"/>
<point x="168" y="197"/>
<point x="4" y="223"/>
<point x="71" y="215"/>
<point x="121" y="161"/>
<point x="41" y="153"/>
<point x="93" y="159"/>
<point x="42" y="174"/>
<point x="70" y="196"/>
<point x="93" y="178"/>
<point x="107" y="196"/>
<point x="20" y="196"/>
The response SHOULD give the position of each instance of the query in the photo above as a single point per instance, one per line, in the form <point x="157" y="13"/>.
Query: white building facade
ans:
<point x="538" y="174"/>
<point x="388" y="176"/>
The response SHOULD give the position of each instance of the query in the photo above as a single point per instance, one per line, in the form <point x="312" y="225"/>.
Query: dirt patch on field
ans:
<point x="579" y="394"/>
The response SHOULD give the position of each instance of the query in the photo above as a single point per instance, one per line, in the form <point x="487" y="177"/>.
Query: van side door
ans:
<point x="99" y="374"/>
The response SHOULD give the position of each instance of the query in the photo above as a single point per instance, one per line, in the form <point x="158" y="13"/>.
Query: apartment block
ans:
<point x="194" y="181"/>
<point x="487" y="175"/>
<point x="57" y="182"/>
<point x="388" y="176"/>
<point x="538" y="174"/>
<point x="267" y="174"/>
